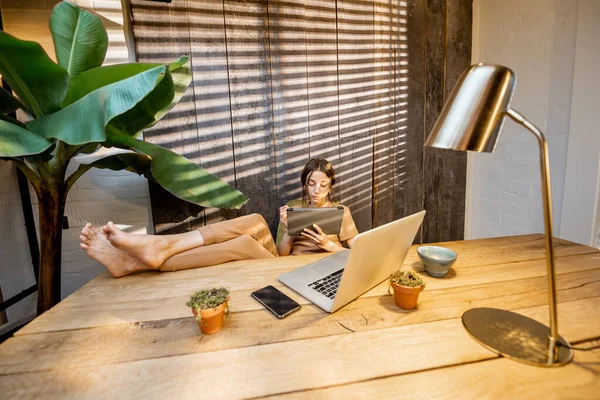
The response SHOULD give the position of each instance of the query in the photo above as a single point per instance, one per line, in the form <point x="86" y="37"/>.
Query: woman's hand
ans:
<point x="284" y="247"/>
<point x="283" y="216"/>
<point x="321" y="239"/>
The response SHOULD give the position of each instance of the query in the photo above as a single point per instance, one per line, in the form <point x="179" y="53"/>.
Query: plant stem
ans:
<point x="51" y="209"/>
<point x="52" y="197"/>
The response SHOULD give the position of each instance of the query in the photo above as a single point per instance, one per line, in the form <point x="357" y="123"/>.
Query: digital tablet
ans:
<point x="329" y="219"/>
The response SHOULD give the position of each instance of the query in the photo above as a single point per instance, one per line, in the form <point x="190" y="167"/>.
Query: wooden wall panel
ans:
<point x="435" y="53"/>
<point x="356" y="101"/>
<point x="162" y="35"/>
<point x="289" y="88"/>
<point x="447" y="54"/>
<point x="275" y="82"/>
<point x="322" y="74"/>
<point x="210" y="87"/>
<point x="247" y="30"/>
<point x="387" y="42"/>
<point x="454" y="163"/>
<point x="410" y="116"/>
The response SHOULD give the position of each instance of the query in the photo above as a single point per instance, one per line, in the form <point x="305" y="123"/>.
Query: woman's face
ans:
<point x="318" y="186"/>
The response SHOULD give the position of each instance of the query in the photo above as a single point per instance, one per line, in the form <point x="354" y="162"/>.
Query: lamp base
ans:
<point x="515" y="336"/>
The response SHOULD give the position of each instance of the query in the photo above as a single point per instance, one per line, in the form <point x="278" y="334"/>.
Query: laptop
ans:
<point x="336" y="280"/>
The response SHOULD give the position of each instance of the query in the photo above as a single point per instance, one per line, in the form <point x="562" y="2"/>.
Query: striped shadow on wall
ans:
<point x="277" y="82"/>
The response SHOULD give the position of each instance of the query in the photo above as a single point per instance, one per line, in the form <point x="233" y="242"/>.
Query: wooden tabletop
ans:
<point x="134" y="337"/>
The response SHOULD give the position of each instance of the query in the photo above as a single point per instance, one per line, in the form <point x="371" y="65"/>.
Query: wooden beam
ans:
<point x="435" y="59"/>
<point x="409" y="173"/>
<point x="454" y="163"/>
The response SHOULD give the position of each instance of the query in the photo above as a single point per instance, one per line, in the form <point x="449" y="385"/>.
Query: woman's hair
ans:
<point x="316" y="164"/>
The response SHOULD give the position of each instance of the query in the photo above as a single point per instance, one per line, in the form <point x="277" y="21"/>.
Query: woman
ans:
<point x="242" y="238"/>
<point x="318" y="178"/>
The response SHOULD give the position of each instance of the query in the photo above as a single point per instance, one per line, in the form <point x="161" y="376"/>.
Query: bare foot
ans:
<point x="150" y="249"/>
<point x="97" y="246"/>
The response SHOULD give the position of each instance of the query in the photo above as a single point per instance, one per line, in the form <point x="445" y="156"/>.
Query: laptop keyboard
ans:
<point x="328" y="285"/>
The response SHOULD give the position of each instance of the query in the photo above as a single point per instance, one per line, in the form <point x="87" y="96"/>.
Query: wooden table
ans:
<point x="134" y="337"/>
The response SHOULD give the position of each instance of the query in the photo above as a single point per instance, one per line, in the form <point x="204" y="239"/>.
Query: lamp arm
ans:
<point x="547" y="201"/>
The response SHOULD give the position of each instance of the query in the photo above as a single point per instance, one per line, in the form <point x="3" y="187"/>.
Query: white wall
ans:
<point x="99" y="196"/>
<point x="580" y="207"/>
<point x="536" y="38"/>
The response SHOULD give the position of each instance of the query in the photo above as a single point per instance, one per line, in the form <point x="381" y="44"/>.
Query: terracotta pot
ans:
<point x="211" y="319"/>
<point x="406" y="297"/>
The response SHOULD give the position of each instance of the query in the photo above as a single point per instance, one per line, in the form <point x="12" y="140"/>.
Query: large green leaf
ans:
<point x="182" y="77"/>
<point x="133" y="162"/>
<point x="33" y="76"/>
<point x="158" y="103"/>
<point x="90" y="148"/>
<point x="80" y="40"/>
<point x="16" y="141"/>
<point x="85" y="120"/>
<point x="182" y="177"/>
<point x="95" y="78"/>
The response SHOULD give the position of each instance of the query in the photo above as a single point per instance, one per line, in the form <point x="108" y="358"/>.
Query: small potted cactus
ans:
<point x="407" y="285"/>
<point x="209" y="306"/>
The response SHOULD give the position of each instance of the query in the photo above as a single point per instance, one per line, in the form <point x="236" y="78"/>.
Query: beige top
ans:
<point x="302" y="245"/>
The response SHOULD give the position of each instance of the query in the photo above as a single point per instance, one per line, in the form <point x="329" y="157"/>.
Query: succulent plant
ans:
<point x="406" y="278"/>
<point x="208" y="298"/>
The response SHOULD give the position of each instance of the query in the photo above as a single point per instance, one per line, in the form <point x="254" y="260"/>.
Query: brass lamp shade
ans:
<point x="471" y="120"/>
<point x="473" y="115"/>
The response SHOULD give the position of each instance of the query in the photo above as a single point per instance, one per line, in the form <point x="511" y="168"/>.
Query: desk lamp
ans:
<point x="471" y="120"/>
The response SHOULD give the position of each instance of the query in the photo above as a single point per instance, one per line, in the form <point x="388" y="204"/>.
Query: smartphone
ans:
<point x="275" y="301"/>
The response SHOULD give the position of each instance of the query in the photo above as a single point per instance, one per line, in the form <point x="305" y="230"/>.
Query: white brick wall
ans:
<point x="581" y="205"/>
<point x="535" y="38"/>
<point x="98" y="196"/>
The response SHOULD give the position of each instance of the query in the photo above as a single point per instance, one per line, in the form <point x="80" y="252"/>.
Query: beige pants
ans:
<point x="243" y="238"/>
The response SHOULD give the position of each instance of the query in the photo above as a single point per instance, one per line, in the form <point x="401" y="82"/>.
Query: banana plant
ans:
<point x="77" y="106"/>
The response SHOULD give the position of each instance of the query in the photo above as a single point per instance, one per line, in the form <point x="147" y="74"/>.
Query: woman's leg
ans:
<point x="152" y="250"/>
<point x="253" y="225"/>
<point x="240" y="248"/>
<point x="97" y="246"/>
<point x="119" y="263"/>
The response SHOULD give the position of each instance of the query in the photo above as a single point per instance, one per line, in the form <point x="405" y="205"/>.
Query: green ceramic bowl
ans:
<point x="437" y="260"/>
